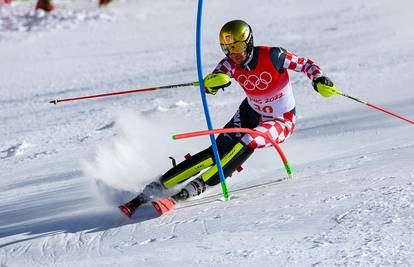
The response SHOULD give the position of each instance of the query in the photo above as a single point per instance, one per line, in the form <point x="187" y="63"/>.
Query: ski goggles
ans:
<point x="234" y="48"/>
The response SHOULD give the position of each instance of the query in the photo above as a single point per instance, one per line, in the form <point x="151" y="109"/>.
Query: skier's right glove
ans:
<point x="324" y="86"/>
<point x="215" y="81"/>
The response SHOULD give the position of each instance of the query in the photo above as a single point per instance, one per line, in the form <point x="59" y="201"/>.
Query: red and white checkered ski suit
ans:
<point x="265" y="80"/>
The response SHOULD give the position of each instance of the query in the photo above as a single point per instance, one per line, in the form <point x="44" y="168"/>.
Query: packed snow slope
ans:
<point x="65" y="167"/>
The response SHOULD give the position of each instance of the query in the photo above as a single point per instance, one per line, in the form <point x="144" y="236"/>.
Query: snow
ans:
<point x="65" y="167"/>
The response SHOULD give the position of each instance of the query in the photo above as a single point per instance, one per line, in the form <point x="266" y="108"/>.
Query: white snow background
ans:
<point x="64" y="168"/>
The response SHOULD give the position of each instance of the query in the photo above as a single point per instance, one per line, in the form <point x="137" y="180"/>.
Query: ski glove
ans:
<point x="214" y="81"/>
<point x="324" y="86"/>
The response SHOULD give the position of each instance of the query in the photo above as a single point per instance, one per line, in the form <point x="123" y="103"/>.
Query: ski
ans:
<point x="161" y="206"/>
<point x="125" y="210"/>
<point x="165" y="205"/>
<point x="219" y="197"/>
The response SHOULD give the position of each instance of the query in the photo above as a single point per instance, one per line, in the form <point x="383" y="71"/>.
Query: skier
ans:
<point x="261" y="72"/>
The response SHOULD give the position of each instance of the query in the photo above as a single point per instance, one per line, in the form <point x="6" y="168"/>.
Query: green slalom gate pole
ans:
<point x="204" y="100"/>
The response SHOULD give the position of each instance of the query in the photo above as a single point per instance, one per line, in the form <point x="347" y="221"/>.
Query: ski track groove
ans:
<point x="206" y="232"/>
<point x="66" y="243"/>
<point x="48" y="253"/>
<point x="174" y="230"/>
<point x="100" y="244"/>
<point x="3" y="258"/>
<point x="374" y="233"/>
<point x="26" y="249"/>
<point x="91" y="241"/>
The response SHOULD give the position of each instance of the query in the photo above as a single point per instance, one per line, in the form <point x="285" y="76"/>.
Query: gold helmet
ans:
<point x="236" y="37"/>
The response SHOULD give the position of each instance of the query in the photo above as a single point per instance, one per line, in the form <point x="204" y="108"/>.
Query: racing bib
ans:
<point x="268" y="91"/>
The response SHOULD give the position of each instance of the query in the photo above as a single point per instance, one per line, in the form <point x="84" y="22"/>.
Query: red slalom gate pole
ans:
<point x="124" y="92"/>
<point x="286" y="163"/>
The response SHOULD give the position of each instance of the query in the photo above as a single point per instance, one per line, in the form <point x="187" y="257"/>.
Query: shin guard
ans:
<point x="188" y="168"/>
<point x="230" y="162"/>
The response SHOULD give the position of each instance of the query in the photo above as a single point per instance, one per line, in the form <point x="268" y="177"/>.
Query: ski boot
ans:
<point x="129" y="208"/>
<point x="150" y="191"/>
<point x="194" y="188"/>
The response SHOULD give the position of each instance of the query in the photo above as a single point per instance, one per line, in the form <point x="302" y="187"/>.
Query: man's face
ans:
<point x="238" y="58"/>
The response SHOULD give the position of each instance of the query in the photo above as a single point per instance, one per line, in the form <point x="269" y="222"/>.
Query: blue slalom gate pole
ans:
<point x="204" y="99"/>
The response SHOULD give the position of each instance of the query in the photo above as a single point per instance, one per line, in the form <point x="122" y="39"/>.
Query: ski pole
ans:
<point x="372" y="106"/>
<point x="124" y="92"/>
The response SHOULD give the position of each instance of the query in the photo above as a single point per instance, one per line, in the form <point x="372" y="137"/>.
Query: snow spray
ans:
<point x="129" y="161"/>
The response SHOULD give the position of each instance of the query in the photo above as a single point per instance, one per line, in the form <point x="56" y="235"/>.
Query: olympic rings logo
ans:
<point x="253" y="81"/>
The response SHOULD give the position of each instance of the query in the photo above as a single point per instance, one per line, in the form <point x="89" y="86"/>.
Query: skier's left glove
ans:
<point x="215" y="81"/>
<point x="324" y="86"/>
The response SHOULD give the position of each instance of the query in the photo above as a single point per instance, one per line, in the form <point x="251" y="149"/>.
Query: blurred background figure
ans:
<point x="48" y="6"/>
<point x="104" y="2"/>
<point x="45" y="5"/>
<point x="2" y="2"/>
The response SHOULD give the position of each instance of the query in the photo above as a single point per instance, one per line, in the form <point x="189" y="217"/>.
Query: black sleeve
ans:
<point x="277" y="56"/>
